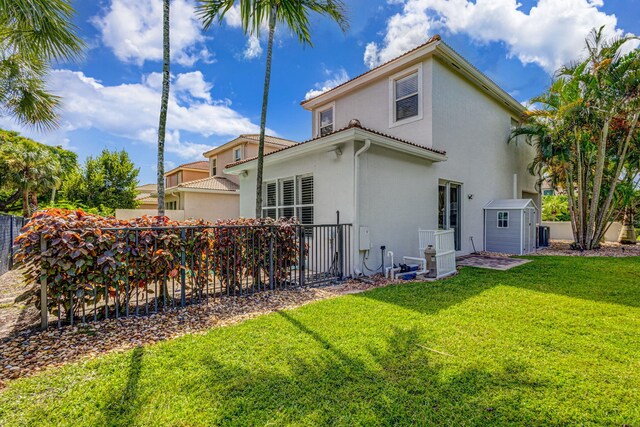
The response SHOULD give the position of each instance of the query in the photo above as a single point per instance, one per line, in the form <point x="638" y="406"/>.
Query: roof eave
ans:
<point x="371" y="76"/>
<point x="174" y="190"/>
<point x="344" y="136"/>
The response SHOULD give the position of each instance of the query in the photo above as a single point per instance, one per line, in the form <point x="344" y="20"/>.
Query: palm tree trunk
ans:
<point x="597" y="184"/>
<point x="164" y="104"/>
<point x="606" y="213"/>
<point x="25" y="203"/>
<point x="263" y="117"/>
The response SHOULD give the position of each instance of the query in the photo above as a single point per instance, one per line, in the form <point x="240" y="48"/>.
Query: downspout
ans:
<point x="515" y="186"/>
<point x="356" y="220"/>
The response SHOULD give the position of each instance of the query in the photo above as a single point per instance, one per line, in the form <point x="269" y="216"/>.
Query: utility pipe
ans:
<point x="356" y="219"/>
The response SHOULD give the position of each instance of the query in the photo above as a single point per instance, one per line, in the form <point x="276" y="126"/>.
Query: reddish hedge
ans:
<point x="88" y="256"/>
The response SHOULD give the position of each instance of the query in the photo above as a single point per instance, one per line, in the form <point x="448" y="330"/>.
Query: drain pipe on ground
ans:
<point x="356" y="220"/>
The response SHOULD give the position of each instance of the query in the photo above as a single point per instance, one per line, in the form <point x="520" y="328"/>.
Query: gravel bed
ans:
<point x="32" y="351"/>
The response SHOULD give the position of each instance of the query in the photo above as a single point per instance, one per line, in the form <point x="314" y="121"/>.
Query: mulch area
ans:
<point x="31" y="351"/>
<point x="563" y="247"/>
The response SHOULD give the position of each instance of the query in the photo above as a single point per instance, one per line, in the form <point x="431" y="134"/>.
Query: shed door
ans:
<point x="528" y="230"/>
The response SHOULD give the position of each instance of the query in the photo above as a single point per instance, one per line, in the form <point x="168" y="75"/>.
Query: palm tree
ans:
<point x="583" y="128"/>
<point x="292" y="13"/>
<point x="164" y="103"/>
<point x="31" y="170"/>
<point x="32" y="34"/>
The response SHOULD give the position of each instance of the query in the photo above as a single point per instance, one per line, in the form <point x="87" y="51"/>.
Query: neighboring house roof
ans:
<point x="354" y="124"/>
<point x="212" y="183"/>
<point x="199" y="165"/>
<point x="435" y="46"/>
<point x="147" y="188"/>
<point x="148" y="199"/>
<point x="510" y="204"/>
<point x="253" y="138"/>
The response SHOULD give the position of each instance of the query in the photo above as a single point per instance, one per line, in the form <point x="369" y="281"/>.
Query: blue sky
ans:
<point x="111" y="96"/>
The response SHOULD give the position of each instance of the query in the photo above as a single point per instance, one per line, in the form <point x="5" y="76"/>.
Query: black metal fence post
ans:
<point x="340" y="253"/>
<point x="301" y="255"/>
<point x="271" y="281"/>
<point x="44" y="318"/>
<point x="183" y="269"/>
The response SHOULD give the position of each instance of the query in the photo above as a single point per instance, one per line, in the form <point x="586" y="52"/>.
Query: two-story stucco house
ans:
<point x="214" y="194"/>
<point x="420" y="142"/>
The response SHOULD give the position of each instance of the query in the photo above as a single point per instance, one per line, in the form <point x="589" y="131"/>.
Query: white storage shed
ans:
<point x="510" y="226"/>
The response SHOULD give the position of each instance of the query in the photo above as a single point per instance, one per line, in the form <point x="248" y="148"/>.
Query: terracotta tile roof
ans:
<point x="143" y="196"/>
<point x="147" y="200"/>
<point x="145" y="188"/>
<point x="270" y="139"/>
<point x="217" y="183"/>
<point x="433" y="39"/>
<point x="202" y="164"/>
<point x="352" y="125"/>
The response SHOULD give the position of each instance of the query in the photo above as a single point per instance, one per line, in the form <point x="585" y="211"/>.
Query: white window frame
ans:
<point x="392" y="96"/>
<point x="214" y="166"/>
<point x="507" y="219"/>
<point x="240" y="150"/>
<point x="296" y="188"/>
<point x="330" y="106"/>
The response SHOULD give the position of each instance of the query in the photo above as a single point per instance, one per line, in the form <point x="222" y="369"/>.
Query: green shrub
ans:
<point x="93" y="261"/>
<point x="555" y="208"/>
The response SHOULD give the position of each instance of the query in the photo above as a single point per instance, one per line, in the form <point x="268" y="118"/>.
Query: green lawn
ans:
<point x="556" y="341"/>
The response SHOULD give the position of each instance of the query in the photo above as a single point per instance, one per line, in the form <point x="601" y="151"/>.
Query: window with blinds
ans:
<point x="214" y="166"/>
<point x="407" y="100"/>
<point x="288" y="198"/>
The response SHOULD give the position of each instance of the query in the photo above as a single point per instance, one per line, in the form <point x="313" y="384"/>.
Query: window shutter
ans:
<point x="270" y="192"/>
<point x="287" y="198"/>
<point x="305" y="190"/>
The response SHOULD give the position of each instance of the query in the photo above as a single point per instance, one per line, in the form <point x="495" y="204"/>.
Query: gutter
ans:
<point x="356" y="219"/>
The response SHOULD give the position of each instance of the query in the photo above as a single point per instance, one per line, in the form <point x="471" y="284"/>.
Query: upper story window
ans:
<point x="179" y="178"/>
<point x="237" y="154"/>
<point x="214" y="166"/>
<point x="405" y="90"/>
<point x="325" y="121"/>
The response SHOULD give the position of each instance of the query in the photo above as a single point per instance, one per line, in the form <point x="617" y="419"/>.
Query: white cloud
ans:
<point x="131" y="111"/>
<point x="550" y="35"/>
<point x="133" y="30"/>
<point x="333" y="79"/>
<point x="253" y="48"/>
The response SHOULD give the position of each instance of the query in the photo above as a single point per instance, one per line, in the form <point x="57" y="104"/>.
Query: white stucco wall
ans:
<point x="473" y="129"/>
<point x="333" y="184"/>
<point x="371" y="105"/>
<point x="561" y="230"/>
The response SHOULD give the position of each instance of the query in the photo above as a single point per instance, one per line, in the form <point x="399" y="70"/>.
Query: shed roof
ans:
<point x="510" y="204"/>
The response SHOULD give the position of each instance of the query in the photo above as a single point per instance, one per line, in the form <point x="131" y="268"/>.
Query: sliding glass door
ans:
<point x="449" y="209"/>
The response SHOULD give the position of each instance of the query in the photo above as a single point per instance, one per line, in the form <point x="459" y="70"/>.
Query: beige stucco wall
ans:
<point x="210" y="206"/>
<point x="225" y="158"/>
<point x="177" y="215"/>
<point x="561" y="230"/>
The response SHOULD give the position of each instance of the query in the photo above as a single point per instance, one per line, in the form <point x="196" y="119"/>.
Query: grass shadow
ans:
<point x="120" y="410"/>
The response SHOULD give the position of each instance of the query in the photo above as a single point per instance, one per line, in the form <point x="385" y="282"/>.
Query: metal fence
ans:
<point x="9" y="229"/>
<point x="248" y="263"/>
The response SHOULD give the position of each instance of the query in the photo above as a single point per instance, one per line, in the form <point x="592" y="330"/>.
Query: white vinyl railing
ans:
<point x="443" y="243"/>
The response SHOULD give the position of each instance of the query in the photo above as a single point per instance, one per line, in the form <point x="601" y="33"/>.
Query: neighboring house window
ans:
<point x="547" y="192"/>
<point x="406" y="97"/>
<point x="503" y="219"/>
<point x="514" y="124"/>
<point x="289" y="197"/>
<point x="172" y="206"/>
<point x="237" y="154"/>
<point x="325" y="121"/>
<point x="214" y="166"/>
<point x="180" y="177"/>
